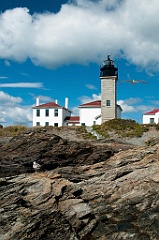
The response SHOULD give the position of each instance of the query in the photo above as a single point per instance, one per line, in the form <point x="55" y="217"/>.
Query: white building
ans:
<point x="151" y="117"/>
<point x="50" y="114"/>
<point x="96" y="112"/>
<point x="90" y="113"/>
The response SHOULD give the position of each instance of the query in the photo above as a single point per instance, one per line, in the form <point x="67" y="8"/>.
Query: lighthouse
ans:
<point x="109" y="77"/>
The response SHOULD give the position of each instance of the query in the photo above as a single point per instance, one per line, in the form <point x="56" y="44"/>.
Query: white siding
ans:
<point x="51" y="119"/>
<point x="74" y="124"/>
<point x="118" y="112"/>
<point x="146" y="119"/>
<point x="66" y="113"/>
<point x="87" y="116"/>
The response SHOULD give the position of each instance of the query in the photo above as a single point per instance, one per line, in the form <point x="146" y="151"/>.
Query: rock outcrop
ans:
<point x="84" y="191"/>
<point x="49" y="150"/>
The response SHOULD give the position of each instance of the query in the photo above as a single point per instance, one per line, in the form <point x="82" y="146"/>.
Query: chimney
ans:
<point x="56" y="101"/>
<point x="37" y="101"/>
<point x="66" y="103"/>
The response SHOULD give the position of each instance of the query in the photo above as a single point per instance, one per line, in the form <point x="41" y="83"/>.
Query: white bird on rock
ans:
<point x="36" y="166"/>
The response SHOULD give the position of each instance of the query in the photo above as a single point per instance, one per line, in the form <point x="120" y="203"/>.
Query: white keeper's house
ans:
<point x="91" y="113"/>
<point x="151" y="117"/>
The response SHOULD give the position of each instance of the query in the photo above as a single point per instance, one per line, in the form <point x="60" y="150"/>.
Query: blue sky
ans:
<point x="54" y="50"/>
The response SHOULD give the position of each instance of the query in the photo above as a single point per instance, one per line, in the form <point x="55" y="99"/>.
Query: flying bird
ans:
<point x="135" y="81"/>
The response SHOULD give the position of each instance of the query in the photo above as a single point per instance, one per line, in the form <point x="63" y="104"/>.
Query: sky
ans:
<point x="53" y="49"/>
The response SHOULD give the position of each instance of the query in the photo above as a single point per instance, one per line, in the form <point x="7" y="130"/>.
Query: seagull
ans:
<point x="135" y="81"/>
<point x="36" y="166"/>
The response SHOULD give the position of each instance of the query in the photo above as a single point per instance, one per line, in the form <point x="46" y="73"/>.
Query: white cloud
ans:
<point x="16" y="115"/>
<point x="133" y="105"/>
<point x="3" y="77"/>
<point x="83" y="31"/>
<point x="85" y="99"/>
<point x="22" y="85"/>
<point x="7" y="63"/>
<point x="90" y="86"/>
<point x="45" y="98"/>
<point x="12" y="112"/>
<point x="156" y="103"/>
<point x="8" y="99"/>
<point x="126" y="107"/>
<point x="25" y="74"/>
<point x="75" y="111"/>
<point x="133" y="100"/>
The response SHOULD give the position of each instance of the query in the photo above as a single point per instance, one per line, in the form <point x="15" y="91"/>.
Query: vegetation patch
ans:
<point x="11" y="131"/>
<point x="81" y="130"/>
<point x="121" y="128"/>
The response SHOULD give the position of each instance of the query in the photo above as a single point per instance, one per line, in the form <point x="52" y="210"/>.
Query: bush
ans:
<point x="121" y="127"/>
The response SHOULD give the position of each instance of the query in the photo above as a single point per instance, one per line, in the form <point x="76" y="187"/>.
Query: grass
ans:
<point x="83" y="132"/>
<point x="121" y="127"/>
<point x="11" y="131"/>
<point x="117" y="127"/>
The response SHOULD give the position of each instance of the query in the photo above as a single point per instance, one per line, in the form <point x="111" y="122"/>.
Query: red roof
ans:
<point x="152" y="112"/>
<point x="73" y="119"/>
<point x="96" y="103"/>
<point x="48" y="105"/>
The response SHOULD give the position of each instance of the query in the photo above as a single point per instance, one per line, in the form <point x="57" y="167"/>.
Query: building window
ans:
<point x="56" y="113"/>
<point x="83" y="124"/>
<point x="38" y="112"/>
<point x="47" y="124"/>
<point x="37" y="123"/>
<point x="47" y="113"/>
<point x="152" y="120"/>
<point x="108" y="103"/>
<point x="55" y="124"/>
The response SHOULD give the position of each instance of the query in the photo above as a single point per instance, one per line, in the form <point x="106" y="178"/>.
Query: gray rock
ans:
<point x="88" y="194"/>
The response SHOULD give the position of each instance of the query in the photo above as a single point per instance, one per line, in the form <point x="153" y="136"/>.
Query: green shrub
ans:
<point x="121" y="127"/>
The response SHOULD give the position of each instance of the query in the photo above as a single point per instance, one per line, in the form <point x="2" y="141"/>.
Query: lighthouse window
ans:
<point x="56" y="113"/>
<point x="107" y="103"/>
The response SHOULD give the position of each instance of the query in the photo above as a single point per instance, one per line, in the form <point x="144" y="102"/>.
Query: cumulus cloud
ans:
<point x="133" y="100"/>
<point x="8" y="99"/>
<point x="133" y="105"/>
<point x="85" y="99"/>
<point x="83" y="31"/>
<point x="12" y="112"/>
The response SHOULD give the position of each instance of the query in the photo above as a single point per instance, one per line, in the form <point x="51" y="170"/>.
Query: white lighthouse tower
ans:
<point x="109" y="77"/>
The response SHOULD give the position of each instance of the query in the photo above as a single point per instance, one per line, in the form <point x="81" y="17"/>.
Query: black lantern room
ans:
<point x="108" y="68"/>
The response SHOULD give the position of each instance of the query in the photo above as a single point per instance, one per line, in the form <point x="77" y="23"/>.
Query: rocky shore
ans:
<point x="98" y="190"/>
